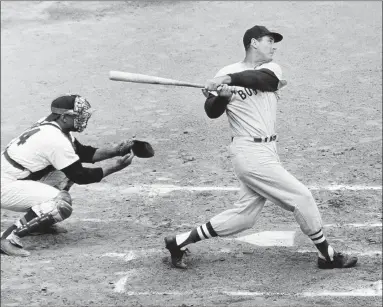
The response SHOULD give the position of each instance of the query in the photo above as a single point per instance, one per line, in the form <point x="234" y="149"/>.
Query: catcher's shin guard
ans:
<point x="48" y="213"/>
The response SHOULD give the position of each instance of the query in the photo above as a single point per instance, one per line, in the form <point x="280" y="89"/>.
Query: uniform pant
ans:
<point x="262" y="178"/>
<point x="21" y="195"/>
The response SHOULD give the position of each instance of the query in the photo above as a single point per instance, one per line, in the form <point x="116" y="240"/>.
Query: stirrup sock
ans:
<point x="202" y="232"/>
<point x="325" y="251"/>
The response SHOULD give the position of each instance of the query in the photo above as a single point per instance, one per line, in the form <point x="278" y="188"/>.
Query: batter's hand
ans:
<point x="205" y="93"/>
<point x="212" y="84"/>
<point x="225" y="90"/>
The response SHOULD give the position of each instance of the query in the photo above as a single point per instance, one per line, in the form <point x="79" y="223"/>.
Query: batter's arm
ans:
<point x="215" y="106"/>
<point x="262" y="79"/>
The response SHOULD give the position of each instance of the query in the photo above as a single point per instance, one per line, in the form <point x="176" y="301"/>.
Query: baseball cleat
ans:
<point x="52" y="229"/>
<point x="11" y="249"/>
<point x="176" y="253"/>
<point x="341" y="261"/>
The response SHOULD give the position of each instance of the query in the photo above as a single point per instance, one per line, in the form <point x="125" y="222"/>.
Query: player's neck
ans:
<point x="62" y="126"/>
<point x="252" y="60"/>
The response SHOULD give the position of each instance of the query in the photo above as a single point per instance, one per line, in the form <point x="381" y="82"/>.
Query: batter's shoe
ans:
<point x="341" y="261"/>
<point x="52" y="229"/>
<point x="12" y="246"/>
<point x="176" y="254"/>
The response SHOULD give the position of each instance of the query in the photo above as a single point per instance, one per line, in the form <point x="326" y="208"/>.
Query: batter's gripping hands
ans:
<point x="140" y="149"/>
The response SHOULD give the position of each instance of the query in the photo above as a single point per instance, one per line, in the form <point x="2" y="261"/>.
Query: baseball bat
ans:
<point x="139" y="78"/>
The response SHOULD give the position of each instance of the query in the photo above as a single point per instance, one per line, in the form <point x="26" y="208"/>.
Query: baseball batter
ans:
<point x="248" y="92"/>
<point x="39" y="167"/>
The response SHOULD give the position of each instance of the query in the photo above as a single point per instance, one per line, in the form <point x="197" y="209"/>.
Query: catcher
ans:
<point x="39" y="167"/>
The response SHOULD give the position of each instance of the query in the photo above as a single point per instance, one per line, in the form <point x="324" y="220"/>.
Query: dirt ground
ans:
<point x="330" y="133"/>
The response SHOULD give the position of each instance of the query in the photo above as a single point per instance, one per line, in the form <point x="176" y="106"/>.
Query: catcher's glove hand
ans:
<point x="140" y="149"/>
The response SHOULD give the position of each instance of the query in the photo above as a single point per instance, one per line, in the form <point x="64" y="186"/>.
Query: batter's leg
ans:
<point x="275" y="183"/>
<point x="229" y="222"/>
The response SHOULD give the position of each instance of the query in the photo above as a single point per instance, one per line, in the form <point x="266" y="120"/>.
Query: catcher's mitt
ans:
<point x="140" y="149"/>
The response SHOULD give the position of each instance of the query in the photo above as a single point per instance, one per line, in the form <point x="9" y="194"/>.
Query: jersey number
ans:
<point x="26" y="135"/>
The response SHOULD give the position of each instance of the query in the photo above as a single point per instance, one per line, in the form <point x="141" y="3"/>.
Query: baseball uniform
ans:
<point x="252" y="114"/>
<point x="43" y="149"/>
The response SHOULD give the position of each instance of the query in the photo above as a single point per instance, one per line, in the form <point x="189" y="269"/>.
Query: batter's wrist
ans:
<point x="226" y="79"/>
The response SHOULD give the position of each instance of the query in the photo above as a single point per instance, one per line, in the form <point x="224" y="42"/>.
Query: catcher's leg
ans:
<point x="34" y="199"/>
<point x="37" y="217"/>
<point x="45" y="214"/>
<point x="229" y="222"/>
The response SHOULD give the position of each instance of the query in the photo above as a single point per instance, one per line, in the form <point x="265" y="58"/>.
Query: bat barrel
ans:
<point x="139" y="78"/>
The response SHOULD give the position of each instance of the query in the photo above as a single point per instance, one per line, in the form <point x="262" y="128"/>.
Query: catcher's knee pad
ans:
<point x="48" y="213"/>
<point x="64" y="196"/>
<point x="60" y="207"/>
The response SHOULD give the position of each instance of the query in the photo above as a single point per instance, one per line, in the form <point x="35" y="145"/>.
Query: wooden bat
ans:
<point x="139" y="78"/>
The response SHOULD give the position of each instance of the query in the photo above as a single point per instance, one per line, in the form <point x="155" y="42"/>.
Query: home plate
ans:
<point x="270" y="238"/>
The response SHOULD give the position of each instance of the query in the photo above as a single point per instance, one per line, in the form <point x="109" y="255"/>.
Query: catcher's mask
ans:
<point x="76" y="106"/>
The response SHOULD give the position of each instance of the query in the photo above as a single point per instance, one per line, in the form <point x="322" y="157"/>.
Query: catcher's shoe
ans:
<point x="176" y="253"/>
<point x="341" y="261"/>
<point x="52" y="229"/>
<point x="12" y="246"/>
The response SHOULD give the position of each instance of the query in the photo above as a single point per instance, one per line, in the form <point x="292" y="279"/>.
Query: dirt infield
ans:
<point x="330" y="137"/>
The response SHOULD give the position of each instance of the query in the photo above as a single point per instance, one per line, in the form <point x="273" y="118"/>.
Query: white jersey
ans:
<point x="252" y="112"/>
<point x="39" y="147"/>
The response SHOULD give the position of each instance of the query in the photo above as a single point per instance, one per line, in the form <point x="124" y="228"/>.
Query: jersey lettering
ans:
<point x="26" y="135"/>
<point x="247" y="91"/>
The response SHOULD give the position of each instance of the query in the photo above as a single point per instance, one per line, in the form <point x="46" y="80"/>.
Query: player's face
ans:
<point x="70" y="122"/>
<point x="81" y="121"/>
<point x="265" y="47"/>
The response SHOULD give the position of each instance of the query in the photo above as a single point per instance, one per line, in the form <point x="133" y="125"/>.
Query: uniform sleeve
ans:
<point x="85" y="153"/>
<point x="221" y="73"/>
<point x="275" y="68"/>
<point x="215" y="105"/>
<point x="83" y="175"/>
<point x="62" y="153"/>
<point x="262" y="79"/>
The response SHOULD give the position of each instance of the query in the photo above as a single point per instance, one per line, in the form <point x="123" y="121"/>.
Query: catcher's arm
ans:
<point x="105" y="153"/>
<point x="141" y="149"/>
<point x="85" y="175"/>
<point x="120" y="164"/>
<point x="91" y="154"/>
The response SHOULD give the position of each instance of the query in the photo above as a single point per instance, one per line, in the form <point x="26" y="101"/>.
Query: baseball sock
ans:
<point x="202" y="232"/>
<point x="30" y="215"/>
<point x="8" y="231"/>
<point x="325" y="251"/>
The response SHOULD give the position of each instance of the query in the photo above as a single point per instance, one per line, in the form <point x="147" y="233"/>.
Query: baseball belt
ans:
<point x="13" y="162"/>
<point x="267" y="139"/>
